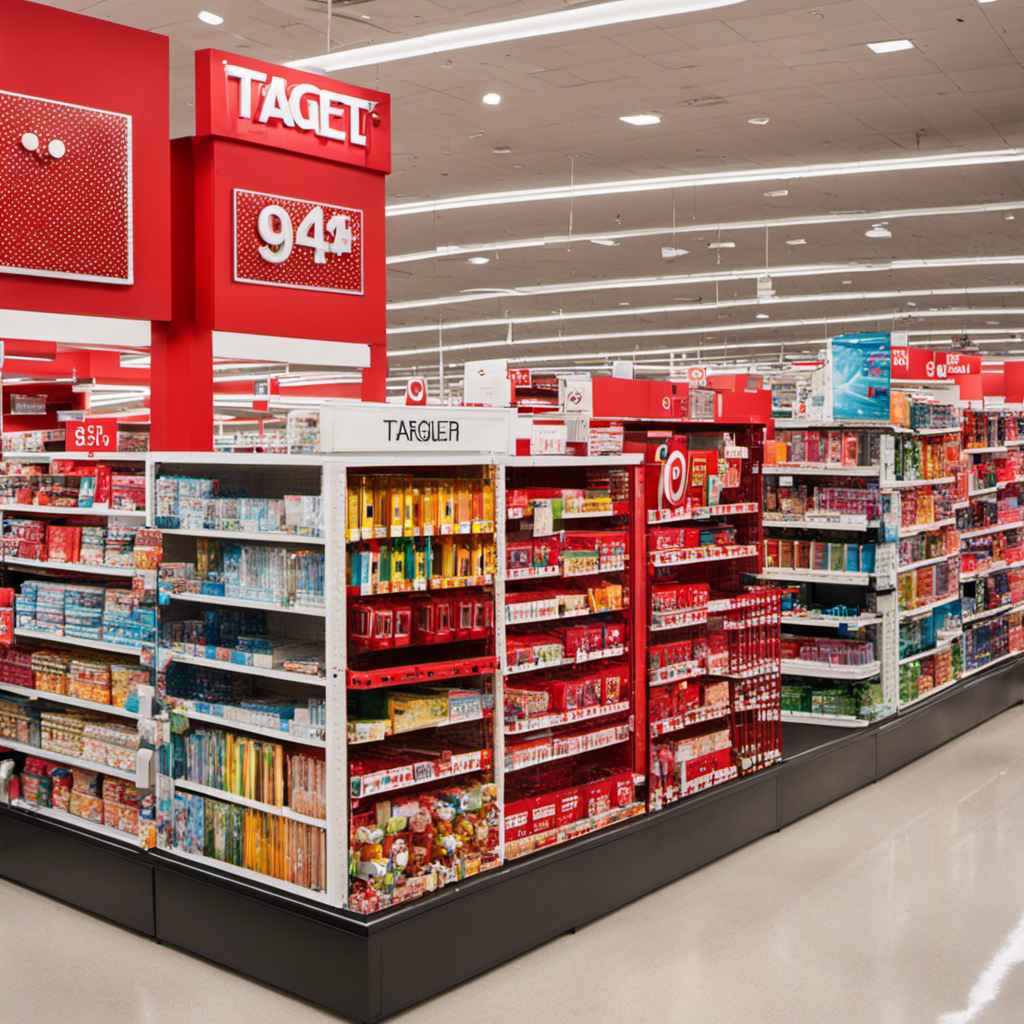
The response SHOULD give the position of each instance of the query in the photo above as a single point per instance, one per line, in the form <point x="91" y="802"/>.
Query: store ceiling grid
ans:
<point x="805" y="67"/>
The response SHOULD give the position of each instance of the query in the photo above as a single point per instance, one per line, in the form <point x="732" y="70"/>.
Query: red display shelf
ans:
<point x="616" y="508"/>
<point x="708" y="553"/>
<point x="418" y="773"/>
<point x="534" y="722"/>
<point x="670" y="515"/>
<point x="412" y="586"/>
<point x="695" y="716"/>
<point x="434" y="671"/>
<point x="530" y="844"/>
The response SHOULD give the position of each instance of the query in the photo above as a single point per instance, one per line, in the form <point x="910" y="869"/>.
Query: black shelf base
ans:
<point x="371" y="968"/>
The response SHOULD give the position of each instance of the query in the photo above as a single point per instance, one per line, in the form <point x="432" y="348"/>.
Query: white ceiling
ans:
<point x="804" y="66"/>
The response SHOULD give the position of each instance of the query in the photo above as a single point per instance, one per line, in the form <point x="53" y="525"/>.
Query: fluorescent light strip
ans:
<point x="805" y="270"/>
<point x="673" y="332"/>
<point x="792" y="173"/>
<point x="444" y="251"/>
<point x="688" y="307"/>
<point x="578" y="19"/>
<point x="703" y="350"/>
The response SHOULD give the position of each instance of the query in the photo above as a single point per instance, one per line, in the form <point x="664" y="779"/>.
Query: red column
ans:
<point x="181" y="370"/>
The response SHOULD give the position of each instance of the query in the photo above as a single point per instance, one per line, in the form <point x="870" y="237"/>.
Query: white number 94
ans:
<point x="275" y="228"/>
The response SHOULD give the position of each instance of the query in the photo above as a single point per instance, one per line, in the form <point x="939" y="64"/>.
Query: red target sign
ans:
<point x="673" y="479"/>
<point x="416" y="391"/>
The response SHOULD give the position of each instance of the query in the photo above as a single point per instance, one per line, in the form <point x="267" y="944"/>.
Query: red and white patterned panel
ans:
<point x="65" y="190"/>
<point x="298" y="243"/>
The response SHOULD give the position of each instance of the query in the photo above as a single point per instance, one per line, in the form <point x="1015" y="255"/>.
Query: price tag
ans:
<point x="93" y="436"/>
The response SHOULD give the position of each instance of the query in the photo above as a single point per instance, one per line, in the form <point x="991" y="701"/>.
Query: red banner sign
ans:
<point x="958" y="364"/>
<point x="92" y="436"/>
<point x="241" y="98"/>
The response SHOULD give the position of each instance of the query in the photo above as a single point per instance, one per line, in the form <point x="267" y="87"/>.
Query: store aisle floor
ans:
<point x="903" y="904"/>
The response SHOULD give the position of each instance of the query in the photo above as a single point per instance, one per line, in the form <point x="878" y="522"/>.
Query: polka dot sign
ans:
<point x="65" y="190"/>
<point x="298" y="243"/>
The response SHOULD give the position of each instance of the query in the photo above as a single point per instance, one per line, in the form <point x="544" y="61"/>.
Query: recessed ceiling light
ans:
<point x="721" y="245"/>
<point x="210" y="18"/>
<point x="991" y="323"/>
<point x="891" y="46"/>
<point x="670" y="252"/>
<point x="479" y="260"/>
<point x="623" y="303"/>
<point x="911" y="303"/>
<point x="878" y="231"/>
<point x="1009" y="216"/>
<point x="603" y="241"/>
<point x="759" y="120"/>
<point x="761" y="316"/>
<point x="641" y="119"/>
<point x="796" y="241"/>
<point x="847" y="282"/>
<point x="492" y="99"/>
<point x="776" y="193"/>
<point x="502" y="149"/>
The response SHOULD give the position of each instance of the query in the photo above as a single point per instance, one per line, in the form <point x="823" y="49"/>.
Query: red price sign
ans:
<point x="298" y="243"/>
<point x="92" y="436"/>
<point x="520" y="376"/>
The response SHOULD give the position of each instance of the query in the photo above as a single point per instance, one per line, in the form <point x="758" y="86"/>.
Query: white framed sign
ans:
<point x="380" y="428"/>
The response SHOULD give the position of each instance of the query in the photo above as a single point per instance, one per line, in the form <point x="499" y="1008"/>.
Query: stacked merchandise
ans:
<point x="286" y="577"/>
<point x="33" y="440"/>
<point x="258" y="770"/>
<point x="421" y="561"/>
<point x="108" y="614"/>
<point x="568" y="686"/>
<point x="237" y="637"/>
<point x="244" y="754"/>
<point x="378" y="714"/>
<point x="713" y="648"/>
<point x="79" y="793"/>
<point x="88" y="487"/>
<point x="414" y="844"/>
<point x="113" y="545"/>
<point x="101" y="680"/>
<point x="992" y="537"/>
<point x="719" y="705"/>
<point x="929" y="565"/>
<point x="82" y="735"/>
<point x="828" y="541"/>
<point x="258" y="841"/>
<point x="199" y="503"/>
<point x="203" y="692"/>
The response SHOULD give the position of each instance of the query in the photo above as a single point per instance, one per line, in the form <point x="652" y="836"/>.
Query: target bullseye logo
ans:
<point x="416" y="391"/>
<point x="673" y="479"/>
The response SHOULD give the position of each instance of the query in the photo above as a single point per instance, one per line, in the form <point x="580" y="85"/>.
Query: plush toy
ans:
<point x="400" y="854"/>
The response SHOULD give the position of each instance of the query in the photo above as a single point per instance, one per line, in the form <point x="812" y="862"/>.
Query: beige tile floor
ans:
<point x="903" y="904"/>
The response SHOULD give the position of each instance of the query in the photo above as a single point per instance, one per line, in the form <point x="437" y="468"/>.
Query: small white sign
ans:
<point x="383" y="429"/>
